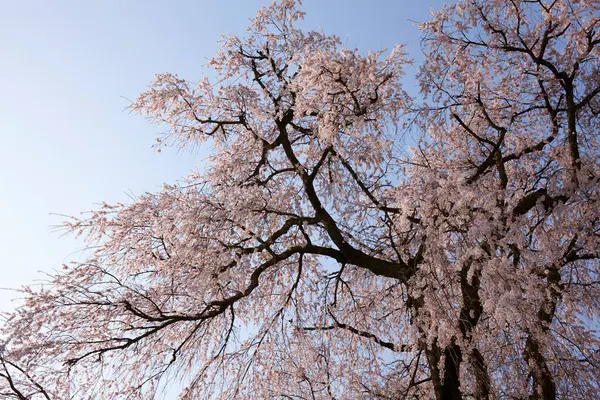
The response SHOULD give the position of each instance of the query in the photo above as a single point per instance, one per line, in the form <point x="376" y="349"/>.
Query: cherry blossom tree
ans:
<point x="315" y="259"/>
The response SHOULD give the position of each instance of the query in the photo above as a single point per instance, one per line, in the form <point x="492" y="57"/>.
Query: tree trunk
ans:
<point x="450" y="389"/>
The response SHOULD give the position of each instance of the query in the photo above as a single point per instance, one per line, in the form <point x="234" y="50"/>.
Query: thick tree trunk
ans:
<point x="543" y="384"/>
<point x="450" y="389"/>
<point x="433" y="359"/>
<point x="544" y="387"/>
<point x="482" y="379"/>
<point x="469" y="317"/>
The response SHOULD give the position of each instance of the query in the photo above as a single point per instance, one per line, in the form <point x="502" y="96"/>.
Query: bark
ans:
<point x="544" y="387"/>
<point x="450" y="389"/>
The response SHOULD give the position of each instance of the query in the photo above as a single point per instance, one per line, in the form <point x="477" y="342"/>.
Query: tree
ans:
<point x="315" y="260"/>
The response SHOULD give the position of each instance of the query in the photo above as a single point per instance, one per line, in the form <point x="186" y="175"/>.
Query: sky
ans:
<point x="68" y="71"/>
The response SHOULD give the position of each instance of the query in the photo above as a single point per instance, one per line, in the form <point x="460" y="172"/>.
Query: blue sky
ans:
<point x="68" y="69"/>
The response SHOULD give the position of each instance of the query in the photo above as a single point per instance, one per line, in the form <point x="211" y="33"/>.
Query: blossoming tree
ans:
<point x="314" y="260"/>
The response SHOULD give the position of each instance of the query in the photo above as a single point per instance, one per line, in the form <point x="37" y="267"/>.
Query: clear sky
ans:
<point x="67" y="69"/>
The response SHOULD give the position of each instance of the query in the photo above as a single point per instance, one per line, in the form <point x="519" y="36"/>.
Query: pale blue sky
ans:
<point x="66" y="70"/>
